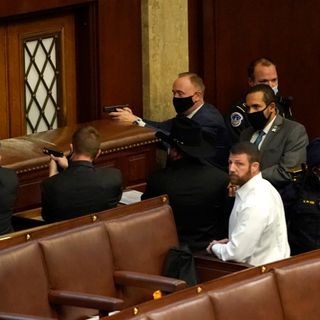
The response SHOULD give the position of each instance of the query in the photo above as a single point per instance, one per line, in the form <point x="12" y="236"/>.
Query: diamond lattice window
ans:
<point x="41" y="83"/>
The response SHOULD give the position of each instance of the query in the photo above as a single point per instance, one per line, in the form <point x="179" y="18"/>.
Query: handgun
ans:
<point x="114" y="108"/>
<point x="53" y="152"/>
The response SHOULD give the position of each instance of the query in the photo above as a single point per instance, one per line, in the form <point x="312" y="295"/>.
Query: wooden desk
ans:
<point x="130" y="148"/>
<point x="210" y="267"/>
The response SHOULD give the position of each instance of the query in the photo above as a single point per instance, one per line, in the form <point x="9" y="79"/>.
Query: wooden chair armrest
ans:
<point x="87" y="300"/>
<point x="145" y="280"/>
<point x="16" y="316"/>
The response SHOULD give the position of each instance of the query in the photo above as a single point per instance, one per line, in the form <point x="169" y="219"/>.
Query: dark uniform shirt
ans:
<point x="302" y="205"/>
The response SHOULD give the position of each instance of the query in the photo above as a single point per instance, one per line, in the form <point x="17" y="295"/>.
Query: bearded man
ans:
<point x="257" y="225"/>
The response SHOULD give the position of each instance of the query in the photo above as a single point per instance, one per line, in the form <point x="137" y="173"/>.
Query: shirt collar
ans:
<point x="245" y="189"/>
<point x="194" y="112"/>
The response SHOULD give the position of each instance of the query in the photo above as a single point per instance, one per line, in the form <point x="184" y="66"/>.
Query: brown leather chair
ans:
<point x="254" y="298"/>
<point x="140" y="243"/>
<point x="299" y="289"/>
<point x="80" y="265"/>
<point x="194" y="307"/>
<point x="24" y="287"/>
<point x="80" y="261"/>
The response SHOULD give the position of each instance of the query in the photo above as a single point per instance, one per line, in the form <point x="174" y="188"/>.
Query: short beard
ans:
<point x="235" y="180"/>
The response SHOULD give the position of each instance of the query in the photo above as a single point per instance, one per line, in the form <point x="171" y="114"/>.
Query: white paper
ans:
<point x="130" y="196"/>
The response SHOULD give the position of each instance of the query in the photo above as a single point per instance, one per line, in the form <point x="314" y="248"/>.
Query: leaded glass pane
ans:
<point x="41" y="76"/>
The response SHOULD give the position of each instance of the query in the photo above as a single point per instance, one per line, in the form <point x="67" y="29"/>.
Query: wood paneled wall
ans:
<point x="108" y="48"/>
<point x="225" y="35"/>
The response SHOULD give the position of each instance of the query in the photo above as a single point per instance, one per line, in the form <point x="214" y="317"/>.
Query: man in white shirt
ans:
<point x="257" y="226"/>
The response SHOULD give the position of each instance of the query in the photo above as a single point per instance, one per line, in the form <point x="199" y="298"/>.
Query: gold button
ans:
<point x="199" y="289"/>
<point x="28" y="236"/>
<point x="135" y="311"/>
<point x="263" y="269"/>
<point x="94" y="218"/>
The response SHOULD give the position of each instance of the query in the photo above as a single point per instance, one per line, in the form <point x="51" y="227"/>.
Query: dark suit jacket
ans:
<point x="80" y="189"/>
<point x="212" y="122"/>
<point x="197" y="193"/>
<point x="284" y="147"/>
<point x="8" y="193"/>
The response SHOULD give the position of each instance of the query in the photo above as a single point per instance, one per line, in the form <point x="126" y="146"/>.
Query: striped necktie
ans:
<point x="259" y="137"/>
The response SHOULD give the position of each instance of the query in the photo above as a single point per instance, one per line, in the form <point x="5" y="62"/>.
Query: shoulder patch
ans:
<point x="236" y="119"/>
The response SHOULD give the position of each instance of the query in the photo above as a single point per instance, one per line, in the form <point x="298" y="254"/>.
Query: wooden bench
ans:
<point x="283" y="290"/>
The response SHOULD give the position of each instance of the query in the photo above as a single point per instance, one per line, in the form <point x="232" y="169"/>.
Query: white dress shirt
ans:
<point x="257" y="226"/>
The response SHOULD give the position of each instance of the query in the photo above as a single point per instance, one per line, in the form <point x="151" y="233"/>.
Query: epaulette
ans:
<point x="242" y="107"/>
<point x="297" y="172"/>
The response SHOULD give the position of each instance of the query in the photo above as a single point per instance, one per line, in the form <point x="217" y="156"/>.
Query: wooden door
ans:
<point x="38" y="77"/>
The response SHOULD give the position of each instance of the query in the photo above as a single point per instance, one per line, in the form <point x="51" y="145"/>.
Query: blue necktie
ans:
<point x="259" y="137"/>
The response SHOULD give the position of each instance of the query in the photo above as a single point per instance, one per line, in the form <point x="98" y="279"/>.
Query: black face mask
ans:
<point x="181" y="105"/>
<point x="257" y="119"/>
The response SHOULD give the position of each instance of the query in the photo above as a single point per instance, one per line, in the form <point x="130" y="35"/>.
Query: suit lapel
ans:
<point x="276" y="126"/>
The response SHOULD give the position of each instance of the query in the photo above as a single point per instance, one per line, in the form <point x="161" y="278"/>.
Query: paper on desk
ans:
<point x="130" y="196"/>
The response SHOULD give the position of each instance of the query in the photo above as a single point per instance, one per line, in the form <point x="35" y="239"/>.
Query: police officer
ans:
<point x="260" y="71"/>
<point x="302" y="205"/>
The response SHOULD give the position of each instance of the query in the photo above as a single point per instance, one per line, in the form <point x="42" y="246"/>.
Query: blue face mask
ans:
<point x="181" y="105"/>
<point x="275" y="90"/>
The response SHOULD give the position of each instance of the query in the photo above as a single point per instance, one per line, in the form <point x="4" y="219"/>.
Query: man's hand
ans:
<point x="124" y="115"/>
<point x="212" y="243"/>
<point x="62" y="162"/>
<point x="232" y="190"/>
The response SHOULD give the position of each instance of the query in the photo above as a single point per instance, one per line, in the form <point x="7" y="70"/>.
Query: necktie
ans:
<point x="259" y="137"/>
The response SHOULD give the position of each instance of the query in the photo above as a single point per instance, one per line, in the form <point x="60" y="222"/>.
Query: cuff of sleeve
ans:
<point x="139" y="122"/>
<point x="216" y="249"/>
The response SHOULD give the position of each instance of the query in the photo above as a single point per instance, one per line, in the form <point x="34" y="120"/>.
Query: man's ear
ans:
<point x="250" y="82"/>
<point x="71" y="148"/>
<point x="255" y="166"/>
<point x="273" y="107"/>
<point x="198" y="95"/>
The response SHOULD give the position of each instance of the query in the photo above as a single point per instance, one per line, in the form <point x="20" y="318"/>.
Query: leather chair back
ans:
<point x="254" y="298"/>
<point x="154" y="233"/>
<point x="23" y="282"/>
<point x="299" y="282"/>
<point x="80" y="260"/>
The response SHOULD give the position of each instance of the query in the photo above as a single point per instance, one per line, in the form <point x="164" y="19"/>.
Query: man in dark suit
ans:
<point x="8" y="194"/>
<point x="196" y="190"/>
<point x="81" y="188"/>
<point x="188" y="100"/>
<point x="282" y="142"/>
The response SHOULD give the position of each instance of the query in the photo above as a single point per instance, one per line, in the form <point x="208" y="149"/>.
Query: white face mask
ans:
<point x="275" y="89"/>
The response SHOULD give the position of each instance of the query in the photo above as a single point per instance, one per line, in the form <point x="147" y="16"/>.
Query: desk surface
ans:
<point x="130" y="148"/>
<point x="26" y="151"/>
